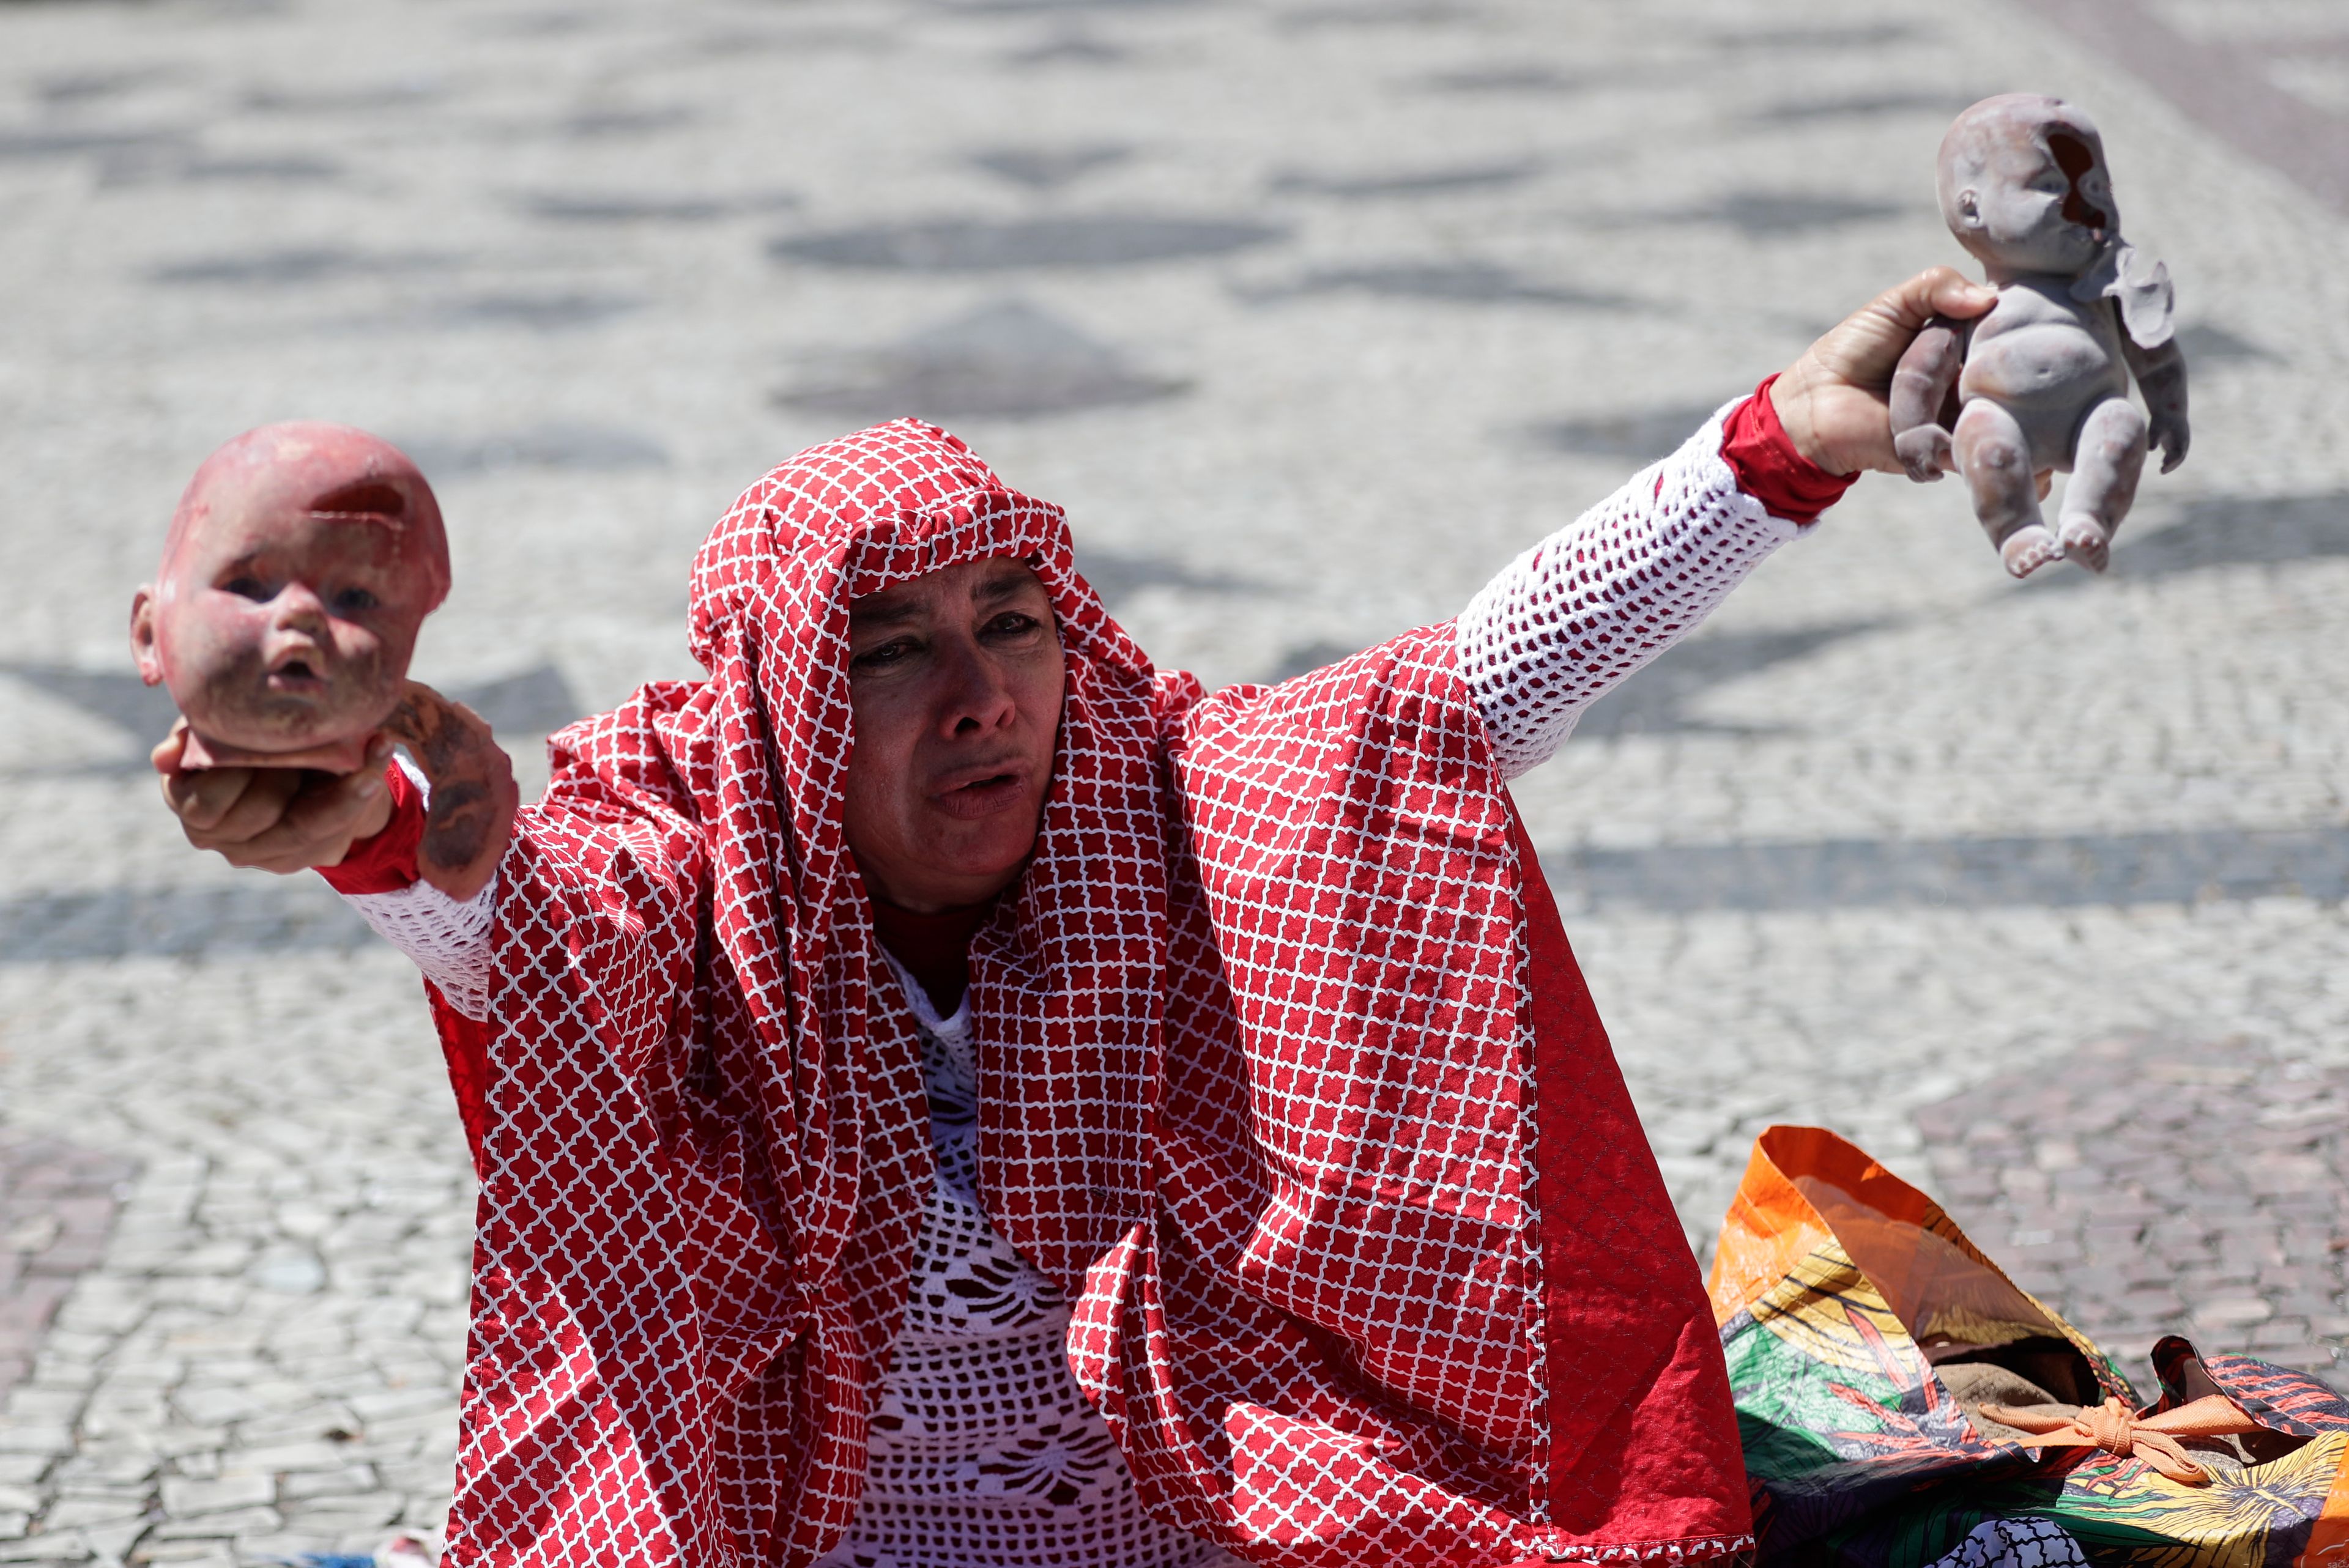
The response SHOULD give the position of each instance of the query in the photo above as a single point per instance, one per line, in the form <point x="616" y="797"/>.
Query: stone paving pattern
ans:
<point x="2146" y="1186"/>
<point x="1313" y="314"/>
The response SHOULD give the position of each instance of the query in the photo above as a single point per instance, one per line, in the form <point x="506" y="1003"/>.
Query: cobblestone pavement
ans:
<point x="2148" y="1186"/>
<point x="1313" y="314"/>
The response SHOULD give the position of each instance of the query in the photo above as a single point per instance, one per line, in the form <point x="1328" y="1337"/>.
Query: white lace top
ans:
<point x="983" y="1449"/>
<point x="984" y="1452"/>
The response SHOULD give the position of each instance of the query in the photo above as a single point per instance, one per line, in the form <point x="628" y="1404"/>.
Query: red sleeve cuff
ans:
<point x="387" y="862"/>
<point x="1762" y="456"/>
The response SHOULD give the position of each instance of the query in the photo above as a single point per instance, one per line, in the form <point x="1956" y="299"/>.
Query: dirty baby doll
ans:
<point x="298" y="569"/>
<point x="2042" y="379"/>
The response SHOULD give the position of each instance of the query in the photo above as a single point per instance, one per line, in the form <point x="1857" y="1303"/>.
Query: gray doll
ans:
<point x="2041" y="381"/>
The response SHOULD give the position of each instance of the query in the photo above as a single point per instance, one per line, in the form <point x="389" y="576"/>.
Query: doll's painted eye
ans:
<point x="248" y="587"/>
<point x="355" y="600"/>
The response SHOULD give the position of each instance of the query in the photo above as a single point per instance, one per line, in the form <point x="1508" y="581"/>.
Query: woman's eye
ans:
<point x="354" y="600"/>
<point x="1012" y="623"/>
<point x="894" y="652"/>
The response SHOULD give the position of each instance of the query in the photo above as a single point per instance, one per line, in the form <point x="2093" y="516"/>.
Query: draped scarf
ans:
<point x="1287" y="1081"/>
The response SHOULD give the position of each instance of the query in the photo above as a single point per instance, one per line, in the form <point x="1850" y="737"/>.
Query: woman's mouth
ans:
<point x="983" y="796"/>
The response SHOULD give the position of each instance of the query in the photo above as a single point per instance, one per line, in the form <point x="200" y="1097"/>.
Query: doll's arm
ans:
<point x="2161" y="376"/>
<point x="1921" y="385"/>
<point x="473" y="799"/>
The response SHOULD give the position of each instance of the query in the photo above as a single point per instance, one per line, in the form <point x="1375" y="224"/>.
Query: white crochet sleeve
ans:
<point x="447" y="940"/>
<point x="1600" y="597"/>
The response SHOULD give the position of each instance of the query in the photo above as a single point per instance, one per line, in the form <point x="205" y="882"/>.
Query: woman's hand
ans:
<point x="285" y="819"/>
<point x="282" y="819"/>
<point x="1834" y="400"/>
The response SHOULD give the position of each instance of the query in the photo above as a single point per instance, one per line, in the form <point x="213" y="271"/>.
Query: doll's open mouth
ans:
<point x="295" y="675"/>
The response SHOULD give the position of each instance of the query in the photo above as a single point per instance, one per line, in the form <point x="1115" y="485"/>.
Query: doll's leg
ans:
<point x="2104" y="469"/>
<point x="1995" y="457"/>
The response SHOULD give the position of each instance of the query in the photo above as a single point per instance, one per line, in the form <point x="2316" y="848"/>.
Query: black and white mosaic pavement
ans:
<point x="1313" y="314"/>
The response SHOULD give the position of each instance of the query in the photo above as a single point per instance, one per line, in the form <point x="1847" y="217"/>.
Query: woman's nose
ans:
<point x="978" y="695"/>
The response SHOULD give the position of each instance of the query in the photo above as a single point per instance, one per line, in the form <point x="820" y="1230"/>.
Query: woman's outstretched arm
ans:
<point x="1572" y="616"/>
<point x="415" y="849"/>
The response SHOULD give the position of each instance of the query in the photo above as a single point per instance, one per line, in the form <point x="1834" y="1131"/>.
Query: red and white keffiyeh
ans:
<point x="1287" y="1077"/>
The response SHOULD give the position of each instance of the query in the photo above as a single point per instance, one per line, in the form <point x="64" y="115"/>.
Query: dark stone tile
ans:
<point x="732" y="43"/>
<point x="1777" y="214"/>
<point x="1049" y="168"/>
<point x="407" y="92"/>
<point x="1055" y="7"/>
<point x="547" y="22"/>
<point x="1007" y="360"/>
<point x="1071" y="48"/>
<point x="1508" y="76"/>
<point x="1058" y="241"/>
<point x="535" y="701"/>
<point x="1116" y="574"/>
<point x="168" y="165"/>
<point x="1640" y="437"/>
<point x="1654" y="700"/>
<point x="563" y="447"/>
<point x="2060" y="871"/>
<point x="1384" y="184"/>
<point x="74" y="89"/>
<point x="595" y="124"/>
<point x="141" y="711"/>
<point x="257" y="916"/>
<point x="32" y="142"/>
<point x="1378" y="14"/>
<point x="1454" y="282"/>
<point x="1870" y="105"/>
<point x="1306" y="658"/>
<point x="2220" y="532"/>
<point x="1859" y="36"/>
<point x="585" y="207"/>
<point x="557" y="311"/>
<point x="294" y="264"/>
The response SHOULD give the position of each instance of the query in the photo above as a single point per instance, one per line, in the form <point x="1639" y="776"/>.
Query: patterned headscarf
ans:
<point x="1286" y="1080"/>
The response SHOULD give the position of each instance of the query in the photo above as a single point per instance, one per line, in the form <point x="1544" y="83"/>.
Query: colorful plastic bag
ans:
<point x="1903" y="1403"/>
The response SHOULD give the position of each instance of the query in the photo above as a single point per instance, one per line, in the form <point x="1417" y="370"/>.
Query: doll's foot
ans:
<point x="2026" y="550"/>
<point x="2087" y="542"/>
<point x="1925" y="452"/>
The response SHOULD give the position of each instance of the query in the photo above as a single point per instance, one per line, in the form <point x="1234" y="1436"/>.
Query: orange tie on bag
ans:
<point x="2153" y="1438"/>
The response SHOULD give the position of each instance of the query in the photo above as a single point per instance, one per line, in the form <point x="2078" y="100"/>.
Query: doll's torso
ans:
<point x="2047" y="359"/>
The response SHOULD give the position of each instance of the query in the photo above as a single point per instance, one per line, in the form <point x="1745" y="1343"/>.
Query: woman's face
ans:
<point x="955" y="680"/>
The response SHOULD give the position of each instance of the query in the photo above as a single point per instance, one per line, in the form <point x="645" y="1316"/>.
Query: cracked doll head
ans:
<point x="300" y="565"/>
<point x="2024" y="188"/>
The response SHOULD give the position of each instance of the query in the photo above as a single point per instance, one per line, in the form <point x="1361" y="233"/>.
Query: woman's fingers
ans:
<point x="280" y="819"/>
<point x="319" y="822"/>
<point x="1835" y="401"/>
<point x="1936" y="291"/>
<point x="220" y="806"/>
<point x="1864" y="348"/>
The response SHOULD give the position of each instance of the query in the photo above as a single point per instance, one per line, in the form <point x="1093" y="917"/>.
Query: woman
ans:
<point x="946" y="1092"/>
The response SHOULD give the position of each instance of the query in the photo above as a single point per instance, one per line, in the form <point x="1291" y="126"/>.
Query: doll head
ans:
<point x="2024" y="188"/>
<point x="301" y="561"/>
